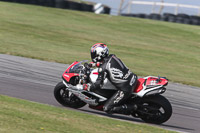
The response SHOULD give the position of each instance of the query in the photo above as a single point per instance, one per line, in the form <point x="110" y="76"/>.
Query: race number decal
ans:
<point x="153" y="82"/>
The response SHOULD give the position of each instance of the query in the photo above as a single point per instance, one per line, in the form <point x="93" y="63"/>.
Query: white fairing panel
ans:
<point x="106" y="85"/>
<point x="143" y="91"/>
<point x="93" y="77"/>
<point x="149" y="91"/>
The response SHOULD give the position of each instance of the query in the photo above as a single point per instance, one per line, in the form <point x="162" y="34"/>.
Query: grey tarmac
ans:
<point x="34" y="80"/>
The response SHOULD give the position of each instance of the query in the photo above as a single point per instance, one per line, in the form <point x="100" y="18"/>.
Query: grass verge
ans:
<point x="18" y="116"/>
<point x="147" y="47"/>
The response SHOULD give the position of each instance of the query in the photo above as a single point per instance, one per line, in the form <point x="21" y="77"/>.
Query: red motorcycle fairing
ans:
<point x="150" y="82"/>
<point x="139" y="86"/>
<point x="66" y="75"/>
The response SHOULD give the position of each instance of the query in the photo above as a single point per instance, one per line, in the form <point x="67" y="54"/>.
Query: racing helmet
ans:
<point x="98" y="52"/>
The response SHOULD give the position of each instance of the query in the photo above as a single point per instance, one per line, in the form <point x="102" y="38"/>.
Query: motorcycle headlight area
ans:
<point x="157" y="91"/>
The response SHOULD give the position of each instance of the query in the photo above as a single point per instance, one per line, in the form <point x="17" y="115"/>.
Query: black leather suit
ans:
<point x="120" y="76"/>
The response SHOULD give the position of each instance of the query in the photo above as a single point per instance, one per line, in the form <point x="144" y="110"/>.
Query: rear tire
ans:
<point x="160" y="108"/>
<point x="64" y="97"/>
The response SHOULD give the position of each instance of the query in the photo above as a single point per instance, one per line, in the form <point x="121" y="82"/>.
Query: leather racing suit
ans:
<point x="120" y="76"/>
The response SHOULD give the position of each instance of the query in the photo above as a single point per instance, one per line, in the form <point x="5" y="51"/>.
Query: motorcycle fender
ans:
<point x="65" y="84"/>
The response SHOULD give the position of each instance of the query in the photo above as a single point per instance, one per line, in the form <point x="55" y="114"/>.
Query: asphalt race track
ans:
<point x="34" y="80"/>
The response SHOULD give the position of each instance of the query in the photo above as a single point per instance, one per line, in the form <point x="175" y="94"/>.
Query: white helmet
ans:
<point x="98" y="52"/>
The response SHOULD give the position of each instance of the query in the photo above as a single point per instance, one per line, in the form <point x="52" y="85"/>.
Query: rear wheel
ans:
<point x="66" y="98"/>
<point x="155" y="109"/>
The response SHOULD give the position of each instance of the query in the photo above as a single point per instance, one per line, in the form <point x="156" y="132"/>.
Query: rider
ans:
<point x="118" y="74"/>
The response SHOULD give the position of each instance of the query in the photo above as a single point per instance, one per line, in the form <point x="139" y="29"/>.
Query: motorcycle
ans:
<point x="151" y="106"/>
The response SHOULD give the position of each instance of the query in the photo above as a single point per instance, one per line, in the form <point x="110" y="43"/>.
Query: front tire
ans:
<point x="155" y="109"/>
<point x="64" y="97"/>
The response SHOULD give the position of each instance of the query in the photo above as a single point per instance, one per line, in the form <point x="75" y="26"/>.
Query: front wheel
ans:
<point x="64" y="97"/>
<point x="155" y="109"/>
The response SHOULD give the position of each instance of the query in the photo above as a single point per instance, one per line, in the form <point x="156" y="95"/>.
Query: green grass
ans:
<point x="147" y="47"/>
<point x="20" y="116"/>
